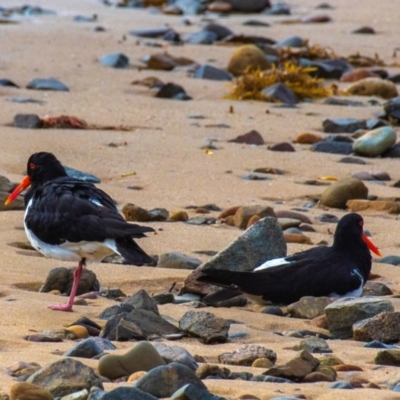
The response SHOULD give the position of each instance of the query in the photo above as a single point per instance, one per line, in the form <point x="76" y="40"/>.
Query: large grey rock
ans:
<point x="343" y="313"/>
<point x="384" y="327"/>
<point x="64" y="377"/>
<point x="205" y="325"/>
<point x="164" y="381"/>
<point x="261" y="242"/>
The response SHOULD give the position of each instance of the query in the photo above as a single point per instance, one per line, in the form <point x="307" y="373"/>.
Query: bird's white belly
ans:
<point x="69" y="251"/>
<point x="354" y="293"/>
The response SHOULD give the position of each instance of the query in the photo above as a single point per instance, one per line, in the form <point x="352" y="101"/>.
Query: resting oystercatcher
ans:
<point x="72" y="220"/>
<point x="337" y="271"/>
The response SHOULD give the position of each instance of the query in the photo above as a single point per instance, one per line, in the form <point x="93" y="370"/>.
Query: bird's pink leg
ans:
<point x="75" y="284"/>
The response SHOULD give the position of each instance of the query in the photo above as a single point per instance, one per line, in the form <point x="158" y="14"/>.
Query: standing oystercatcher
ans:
<point x="337" y="271"/>
<point x="72" y="220"/>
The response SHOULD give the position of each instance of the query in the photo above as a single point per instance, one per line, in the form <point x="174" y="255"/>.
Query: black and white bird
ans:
<point x="71" y="220"/>
<point x="337" y="271"/>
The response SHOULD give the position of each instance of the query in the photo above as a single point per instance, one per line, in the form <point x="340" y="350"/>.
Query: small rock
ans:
<point x="177" y="260"/>
<point x="376" y="289"/>
<point x="220" y="7"/>
<point x="249" y="6"/>
<point x="115" y="60"/>
<point x="193" y="392"/>
<point x="141" y="357"/>
<point x="313" y="345"/>
<point x="391" y="207"/>
<point x="393" y="260"/>
<point x="246" y="355"/>
<point x="87" y="348"/>
<point x="279" y="92"/>
<point x="273" y="310"/>
<point x="164" y="381"/>
<point x="388" y="357"/>
<point x="64" y="377"/>
<point x="341" y="385"/>
<point x="384" y="327"/>
<point x="307" y="138"/>
<point x="343" y="313"/>
<point x="375" y="142"/>
<point x="247" y="57"/>
<point x="332" y="147"/>
<point x="339" y="193"/>
<point x="243" y="214"/>
<point x="141" y="300"/>
<point x="319" y="18"/>
<point x="309" y="307"/>
<point x="206" y="326"/>
<point x="47" y="84"/>
<point x="343" y="125"/>
<point x="28" y="121"/>
<point x="282" y="146"/>
<point x="373" y="87"/>
<point x="179" y="216"/>
<point x="352" y="160"/>
<point x="177" y="354"/>
<point x="252" y="137"/>
<point x="365" y="30"/>
<point x="172" y="91"/>
<point x="357" y="74"/>
<point x="209" y="72"/>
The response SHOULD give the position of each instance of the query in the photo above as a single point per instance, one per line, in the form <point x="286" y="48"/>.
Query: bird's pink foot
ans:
<point x="61" y="307"/>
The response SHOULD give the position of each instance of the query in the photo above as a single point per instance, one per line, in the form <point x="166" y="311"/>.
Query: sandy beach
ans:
<point x="163" y="154"/>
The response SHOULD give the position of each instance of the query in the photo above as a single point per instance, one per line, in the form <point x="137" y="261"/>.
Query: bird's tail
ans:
<point x="249" y="282"/>
<point x="130" y="250"/>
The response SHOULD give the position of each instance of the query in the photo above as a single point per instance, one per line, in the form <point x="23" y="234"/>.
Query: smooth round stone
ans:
<point x="286" y="223"/>
<point x="252" y="6"/>
<point x="375" y="142"/>
<point x="141" y="357"/>
<point x="47" y="84"/>
<point x="247" y="57"/>
<point x="292" y="41"/>
<point x="116" y="60"/>
<point x="273" y="310"/>
<point x="352" y="160"/>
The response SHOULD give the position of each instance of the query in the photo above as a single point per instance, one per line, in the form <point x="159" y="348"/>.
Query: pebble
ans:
<point x="279" y="92"/>
<point x="47" y="84"/>
<point x="253" y="176"/>
<point x="206" y="370"/>
<point x="332" y="147"/>
<point x="177" y="354"/>
<point x="83" y="18"/>
<point x="220" y="7"/>
<point x="295" y="369"/>
<point x="87" y="348"/>
<point x="278" y="9"/>
<point x="173" y="91"/>
<point x="205" y="71"/>
<point x="201" y="220"/>
<point x="282" y="146"/>
<point x="64" y="377"/>
<point x="307" y="138"/>
<point x="365" y="30"/>
<point x="141" y="357"/>
<point x="28" y="121"/>
<point x="373" y="87"/>
<point x="352" y="160"/>
<point x="372" y="288"/>
<point x="318" y="18"/>
<point x="388" y="357"/>
<point x="292" y="41"/>
<point x="245" y="58"/>
<point x="141" y="300"/>
<point x="189" y="7"/>
<point x="293" y="215"/>
<point x="251" y="137"/>
<point x="8" y="82"/>
<point x="202" y="37"/>
<point x="338" y="194"/>
<point x="133" y="212"/>
<point x="177" y="260"/>
<point x="249" y="6"/>
<point x="392" y="109"/>
<point x="246" y="355"/>
<point x="375" y="142"/>
<point x="309" y="307"/>
<point x="328" y="68"/>
<point x="255" y="23"/>
<point x="25" y="100"/>
<point x="221" y="31"/>
<point x="115" y="60"/>
<point x="343" y="125"/>
<point x="27" y="391"/>
<point x="343" y="313"/>
<point x="166" y="62"/>
<point x="391" y="259"/>
<point x="330" y="218"/>
<point x="337" y="101"/>
<point x="243" y="214"/>
<point x="313" y="345"/>
<point x="79" y="331"/>
<point x="262" y="241"/>
<point x="341" y="385"/>
<point x="273" y="310"/>
<point x="164" y="381"/>
<point x="206" y="326"/>
<point x="384" y="327"/>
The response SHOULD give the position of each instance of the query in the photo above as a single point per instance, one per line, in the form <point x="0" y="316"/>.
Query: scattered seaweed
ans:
<point x="250" y="85"/>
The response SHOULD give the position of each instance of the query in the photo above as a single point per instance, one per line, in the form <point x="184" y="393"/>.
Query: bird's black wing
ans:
<point x="67" y="209"/>
<point x="288" y="283"/>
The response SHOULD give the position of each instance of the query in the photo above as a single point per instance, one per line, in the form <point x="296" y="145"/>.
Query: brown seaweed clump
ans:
<point x="250" y="85"/>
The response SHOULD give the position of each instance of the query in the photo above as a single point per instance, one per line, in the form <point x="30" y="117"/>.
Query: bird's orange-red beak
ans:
<point x="370" y="245"/>
<point x="21" y="187"/>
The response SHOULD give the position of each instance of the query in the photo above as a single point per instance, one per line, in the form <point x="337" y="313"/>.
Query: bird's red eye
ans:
<point x="32" y="166"/>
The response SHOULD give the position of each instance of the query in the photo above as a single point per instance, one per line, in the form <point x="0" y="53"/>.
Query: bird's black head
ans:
<point x="43" y="167"/>
<point x="350" y="235"/>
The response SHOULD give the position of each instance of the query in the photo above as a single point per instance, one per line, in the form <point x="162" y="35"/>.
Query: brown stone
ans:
<point x="384" y="327"/>
<point x="243" y="214"/>
<point x="135" y="376"/>
<point x="28" y="391"/>
<point x="166" y="62"/>
<point x="347" y="368"/>
<point x="228" y="212"/>
<point x="391" y="207"/>
<point x="373" y="87"/>
<point x="357" y="74"/>
<point x="135" y="213"/>
<point x="80" y="331"/>
<point x="179" y="216"/>
<point x="252" y="137"/>
<point x="262" y="362"/>
<point x="253" y="220"/>
<point x="296" y="238"/>
<point x="320" y="322"/>
<point x="317" y="377"/>
<point x="307" y="138"/>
